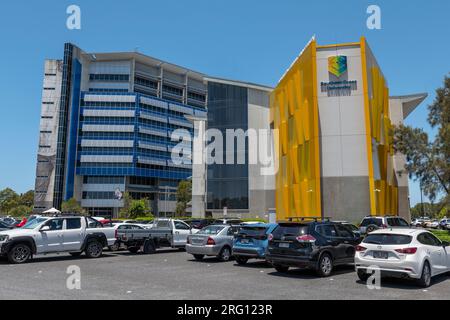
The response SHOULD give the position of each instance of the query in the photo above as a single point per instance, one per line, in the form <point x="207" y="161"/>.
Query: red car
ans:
<point x="22" y="223"/>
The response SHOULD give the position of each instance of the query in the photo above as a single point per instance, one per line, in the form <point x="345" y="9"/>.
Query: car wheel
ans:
<point x="198" y="256"/>
<point x="425" y="279"/>
<point x="94" y="249"/>
<point x="363" y="275"/>
<point x="280" y="268"/>
<point x="241" y="260"/>
<point x="75" y="254"/>
<point x="325" y="265"/>
<point x="149" y="247"/>
<point x="225" y="254"/>
<point x="133" y="249"/>
<point x="20" y="253"/>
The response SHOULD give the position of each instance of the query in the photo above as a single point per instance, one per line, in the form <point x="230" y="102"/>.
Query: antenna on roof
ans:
<point x="136" y="49"/>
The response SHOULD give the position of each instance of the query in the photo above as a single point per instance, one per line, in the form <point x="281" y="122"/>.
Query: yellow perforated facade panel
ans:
<point x="383" y="185"/>
<point x="294" y="112"/>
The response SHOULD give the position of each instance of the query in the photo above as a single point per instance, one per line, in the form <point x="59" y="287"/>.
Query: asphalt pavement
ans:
<point x="173" y="274"/>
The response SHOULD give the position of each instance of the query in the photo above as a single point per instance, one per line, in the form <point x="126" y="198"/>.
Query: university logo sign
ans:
<point x="337" y="65"/>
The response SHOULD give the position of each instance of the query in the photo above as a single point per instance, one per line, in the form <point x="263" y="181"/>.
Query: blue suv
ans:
<point x="252" y="241"/>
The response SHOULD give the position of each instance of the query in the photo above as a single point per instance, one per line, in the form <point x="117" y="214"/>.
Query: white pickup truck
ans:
<point x="43" y="235"/>
<point x="164" y="233"/>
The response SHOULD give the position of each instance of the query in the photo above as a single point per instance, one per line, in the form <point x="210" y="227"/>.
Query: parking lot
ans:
<point x="173" y="274"/>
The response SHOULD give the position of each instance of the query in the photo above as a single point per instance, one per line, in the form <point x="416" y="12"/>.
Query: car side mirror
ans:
<point x="445" y="243"/>
<point x="45" y="228"/>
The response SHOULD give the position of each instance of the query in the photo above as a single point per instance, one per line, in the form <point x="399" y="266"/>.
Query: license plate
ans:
<point x="380" y="255"/>
<point x="244" y="240"/>
<point x="283" y="245"/>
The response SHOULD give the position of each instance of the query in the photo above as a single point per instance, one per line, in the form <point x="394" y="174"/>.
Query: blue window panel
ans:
<point x="74" y="117"/>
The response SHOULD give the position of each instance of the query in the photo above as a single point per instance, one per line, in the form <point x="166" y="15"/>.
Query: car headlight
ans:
<point x="4" y="238"/>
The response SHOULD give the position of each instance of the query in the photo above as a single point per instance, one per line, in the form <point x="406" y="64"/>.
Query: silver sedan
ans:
<point x="213" y="240"/>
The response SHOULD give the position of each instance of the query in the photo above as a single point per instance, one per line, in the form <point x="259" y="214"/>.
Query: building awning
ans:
<point x="410" y="102"/>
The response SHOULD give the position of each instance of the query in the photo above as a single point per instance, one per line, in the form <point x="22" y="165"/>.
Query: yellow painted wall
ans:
<point x="294" y="112"/>
<point x="383" y="189"/>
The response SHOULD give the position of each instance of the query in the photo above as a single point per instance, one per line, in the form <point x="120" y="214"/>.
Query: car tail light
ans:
<point x="188" y="240"/>
<point x="270" y="237"/>
<point x="407" y="250"/>
<point x="306" y="238"/>
<point x="384" y="226"/>
<point x="210" y="241"/>
<point x="360" y="248"/>
<point x="116" y="234"/>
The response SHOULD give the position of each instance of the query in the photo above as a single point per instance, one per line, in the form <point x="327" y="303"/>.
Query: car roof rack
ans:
<point x="315" y="219"/>
<point x="62" y="214"/>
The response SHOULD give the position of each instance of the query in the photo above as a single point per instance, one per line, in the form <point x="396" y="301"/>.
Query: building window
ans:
<point x="197" y="96"/>
<point x="97" y="195"/>
<point x="172" y="90"/>
<point x="103" y="180"/>
<point x="110" y="90"/>
<point x="48" y="102"/>
<point x="46" y="117"/>
<point x="146" y="82"/>
<point x="48" y="88"/>
<point x="44" y="131"/>
<point x="109" y="77"/>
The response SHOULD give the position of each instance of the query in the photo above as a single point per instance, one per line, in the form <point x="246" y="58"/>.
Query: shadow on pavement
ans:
<point x="256" y="264"/>
<point x="407" y="284"/>
<point x="311" y="274"/>
<point x="57" y="257"/>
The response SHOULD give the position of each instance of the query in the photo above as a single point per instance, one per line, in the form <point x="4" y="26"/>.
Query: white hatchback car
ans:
<point x="408" y="253"/>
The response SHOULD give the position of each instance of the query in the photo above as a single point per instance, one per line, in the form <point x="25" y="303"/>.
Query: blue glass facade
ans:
<point x="73" y="127"/>
<point x="115" y="118"/>
<point x="228" y="183"/>
<point x="152" y="128"/>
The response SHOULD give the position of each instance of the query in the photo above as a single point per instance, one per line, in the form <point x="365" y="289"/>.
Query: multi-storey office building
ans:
<point x="238" y="186"/>
<point x="334" y="114"/>
<point x="106" y="127"/>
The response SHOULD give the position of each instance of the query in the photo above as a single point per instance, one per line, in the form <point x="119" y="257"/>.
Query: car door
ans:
<point x="333" y="241"/>
<point x="52" y="239"/>
<point x="348" y="241"/>
<point x="73" y="234"/>
<point x="180" y="233"/>
<point x="231" y="232"/>
<point x="441" y="253"/>
<point x="435" y="250"/>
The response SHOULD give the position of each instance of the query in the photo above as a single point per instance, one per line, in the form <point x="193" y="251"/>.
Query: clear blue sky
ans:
<point x="252" y="40"/>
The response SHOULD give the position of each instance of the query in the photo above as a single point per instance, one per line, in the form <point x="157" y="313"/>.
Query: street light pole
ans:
<point x="421" y="200"/>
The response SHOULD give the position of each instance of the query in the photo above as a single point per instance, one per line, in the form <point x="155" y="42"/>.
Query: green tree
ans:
<point x="27" y="198"/>
<point x="9" y="199"/>
<point x="139" y="209"/>
<point x="127" y="199"/>
<point x="20" y="211"/>
<point x="184" y="195"/>
<point x="429" y="161"/>
<point x="72" y="206"/>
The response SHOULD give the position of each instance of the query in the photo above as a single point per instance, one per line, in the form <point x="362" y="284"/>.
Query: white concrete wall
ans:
<point x="342" y="118"/>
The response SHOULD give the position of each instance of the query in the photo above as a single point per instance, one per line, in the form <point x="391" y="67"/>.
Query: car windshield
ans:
<point x="397" y="222"/>
<point x="253" y="231"/>
<point x="211" y="230"/>
<point x="368" y="221"/>
<point x="291" y="229"/>
<point x="34" y="223"/>
<point x="387" y="239"/>
<point x="351" y="226"/>
<point x="3" y="225"/>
